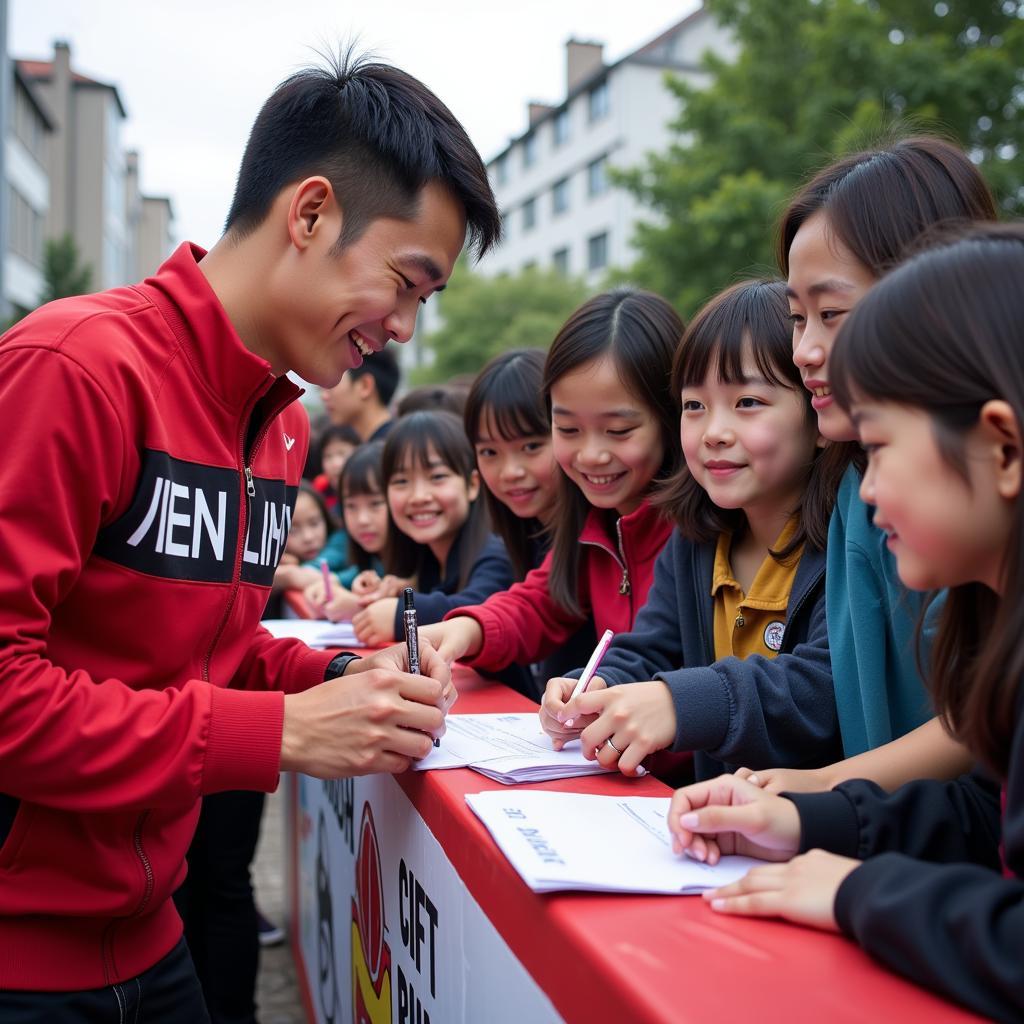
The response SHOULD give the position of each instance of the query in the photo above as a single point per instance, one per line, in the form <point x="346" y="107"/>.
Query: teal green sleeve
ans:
<point x="872" y="623"/>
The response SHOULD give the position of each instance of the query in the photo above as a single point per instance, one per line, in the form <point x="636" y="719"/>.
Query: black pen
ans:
<point x="412" y="636"/>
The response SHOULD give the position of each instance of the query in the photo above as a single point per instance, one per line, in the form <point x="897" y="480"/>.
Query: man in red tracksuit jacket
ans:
<point x="152" y="455"/>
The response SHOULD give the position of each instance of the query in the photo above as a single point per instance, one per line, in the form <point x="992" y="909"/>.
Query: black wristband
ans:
<point x="337" y="665"/>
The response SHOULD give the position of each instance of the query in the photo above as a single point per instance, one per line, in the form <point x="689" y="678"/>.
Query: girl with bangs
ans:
<point x="439" y="533"/>
<point x="729" y="657"/>
<point x="614" y="423"/>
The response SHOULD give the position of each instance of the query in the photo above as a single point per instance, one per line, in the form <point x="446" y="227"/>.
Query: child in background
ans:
<point x="846" y="228"/>
<point x="729" y="656"/>
<point x="439" y="534"/>
<point x="509" y="425"/>
<point x="312" y="535"/>
<point x="614" y="435"/>
<point x="337" y="443"/>
<point x="365" y="508"/>
<point x="930" y="367"/>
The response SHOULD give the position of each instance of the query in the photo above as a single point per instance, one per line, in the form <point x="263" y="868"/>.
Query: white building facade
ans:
<point x="559" y="209"/>
<point x="27" y="196"/>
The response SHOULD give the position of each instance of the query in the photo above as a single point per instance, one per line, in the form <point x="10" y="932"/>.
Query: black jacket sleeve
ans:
<point x="931" y="902"/>
<point x="491" y="572"/>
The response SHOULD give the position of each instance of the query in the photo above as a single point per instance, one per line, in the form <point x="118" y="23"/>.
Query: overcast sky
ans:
<point x="193" y="74"/>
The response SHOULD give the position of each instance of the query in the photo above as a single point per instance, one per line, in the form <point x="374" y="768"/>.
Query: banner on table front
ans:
<point x="387" y="931"/>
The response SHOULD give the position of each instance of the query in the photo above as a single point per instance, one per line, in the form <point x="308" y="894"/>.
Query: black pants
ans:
<point x="168" y="993"/>
<point x="216" y="904"/>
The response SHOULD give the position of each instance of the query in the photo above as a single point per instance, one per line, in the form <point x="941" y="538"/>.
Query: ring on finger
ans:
<point x="612" y="745"/>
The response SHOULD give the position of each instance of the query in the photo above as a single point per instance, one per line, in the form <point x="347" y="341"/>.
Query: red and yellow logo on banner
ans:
<point x="371" y="955"/>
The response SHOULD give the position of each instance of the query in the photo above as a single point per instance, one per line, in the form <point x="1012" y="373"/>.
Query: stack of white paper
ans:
<point x="314" y="632"/>
<point x="595" y="843"/>
<point x="508" y="749"/>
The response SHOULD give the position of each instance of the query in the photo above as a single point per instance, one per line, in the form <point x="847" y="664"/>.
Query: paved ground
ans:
<point x="277" y="996"/>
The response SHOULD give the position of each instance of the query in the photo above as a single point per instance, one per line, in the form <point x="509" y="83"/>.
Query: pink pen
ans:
<point x="588" y="673"/>
<point x="328" y="595"/>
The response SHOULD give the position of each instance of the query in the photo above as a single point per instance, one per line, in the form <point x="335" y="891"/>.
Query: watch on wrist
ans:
<point x="339" y="663"/>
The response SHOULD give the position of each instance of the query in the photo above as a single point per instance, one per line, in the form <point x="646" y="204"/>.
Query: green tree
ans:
<point x="814" y="79"/>
<point x="487" y="315"/>
<point x="63" y="275"/>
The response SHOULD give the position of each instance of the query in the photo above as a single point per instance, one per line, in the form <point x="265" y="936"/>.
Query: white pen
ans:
<point x="588" y="673"/>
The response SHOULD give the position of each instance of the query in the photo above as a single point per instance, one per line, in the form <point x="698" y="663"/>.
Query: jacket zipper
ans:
<point x="624" y="587"/>
<point x="243" y="515"/>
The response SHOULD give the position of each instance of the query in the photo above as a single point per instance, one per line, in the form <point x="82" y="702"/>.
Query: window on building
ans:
<point x="500" y="171"/>
<point x="560" y="261"/>
<point x="561" y="127"/>
<point x="529" y="214"/>
<point x="529" y="150"/>
<point x="506" y="227"/>
<point x="560" y="196"/>
<point x="597" y="176"/>
<point x="597" y="251"/>
<point x="25" y="228"/>
<point x="598" y="101"/>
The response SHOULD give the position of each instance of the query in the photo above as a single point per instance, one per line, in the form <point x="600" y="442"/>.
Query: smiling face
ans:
<point x="943" y="528"/>
<point x="748" y="443"/>
<point x="328" y="308"/>
<point x="825" y="283"/>
<point x="521" y="473"/>
<point x="606" y="441"/>
<point x="366" y="519"/>
<point x="308" y="532"/>
<point x="430" y="503"/>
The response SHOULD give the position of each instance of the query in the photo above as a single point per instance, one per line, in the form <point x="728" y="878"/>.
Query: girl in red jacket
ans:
<point x="930" y="878"/>
<point x="614" y="434"/>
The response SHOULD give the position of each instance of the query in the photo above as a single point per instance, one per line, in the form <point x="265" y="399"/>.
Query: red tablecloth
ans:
<point x="629" y="959"/>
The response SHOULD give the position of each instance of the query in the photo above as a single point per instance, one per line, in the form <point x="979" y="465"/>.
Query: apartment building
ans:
<point x="558" y="205"/>
<point x="27" y="195"/>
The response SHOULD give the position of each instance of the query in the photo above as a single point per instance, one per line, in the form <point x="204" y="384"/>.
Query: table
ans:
<point x="405" y="911"/>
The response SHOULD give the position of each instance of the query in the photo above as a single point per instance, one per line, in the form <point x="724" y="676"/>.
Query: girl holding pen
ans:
<point x="614" y="424"/>
<point x="929" y="879"/>
<point x="729" y="657"/>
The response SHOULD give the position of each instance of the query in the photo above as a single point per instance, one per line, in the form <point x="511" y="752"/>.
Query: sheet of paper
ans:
<point x="508" y="747"/>
<point x="314" y="632"/>
<point x="595" y="843"/>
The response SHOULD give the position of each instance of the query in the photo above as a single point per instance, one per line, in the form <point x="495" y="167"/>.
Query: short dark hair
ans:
<point x="432" y="396"/>
<point x="383" y="368"/>
<point x="879" y="201"/>
<point x="377" y="134"/>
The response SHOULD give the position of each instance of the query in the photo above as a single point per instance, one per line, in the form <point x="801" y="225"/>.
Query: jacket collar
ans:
<point x="644" y="531"/>
<point x="190" y="307"/>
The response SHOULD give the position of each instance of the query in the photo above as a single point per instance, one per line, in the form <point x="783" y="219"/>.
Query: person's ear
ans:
<point x="473" y="486"/>
<point x="1000" y="432"/>
<point x="312" y="211"/>
<point x="364" y="386"/>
